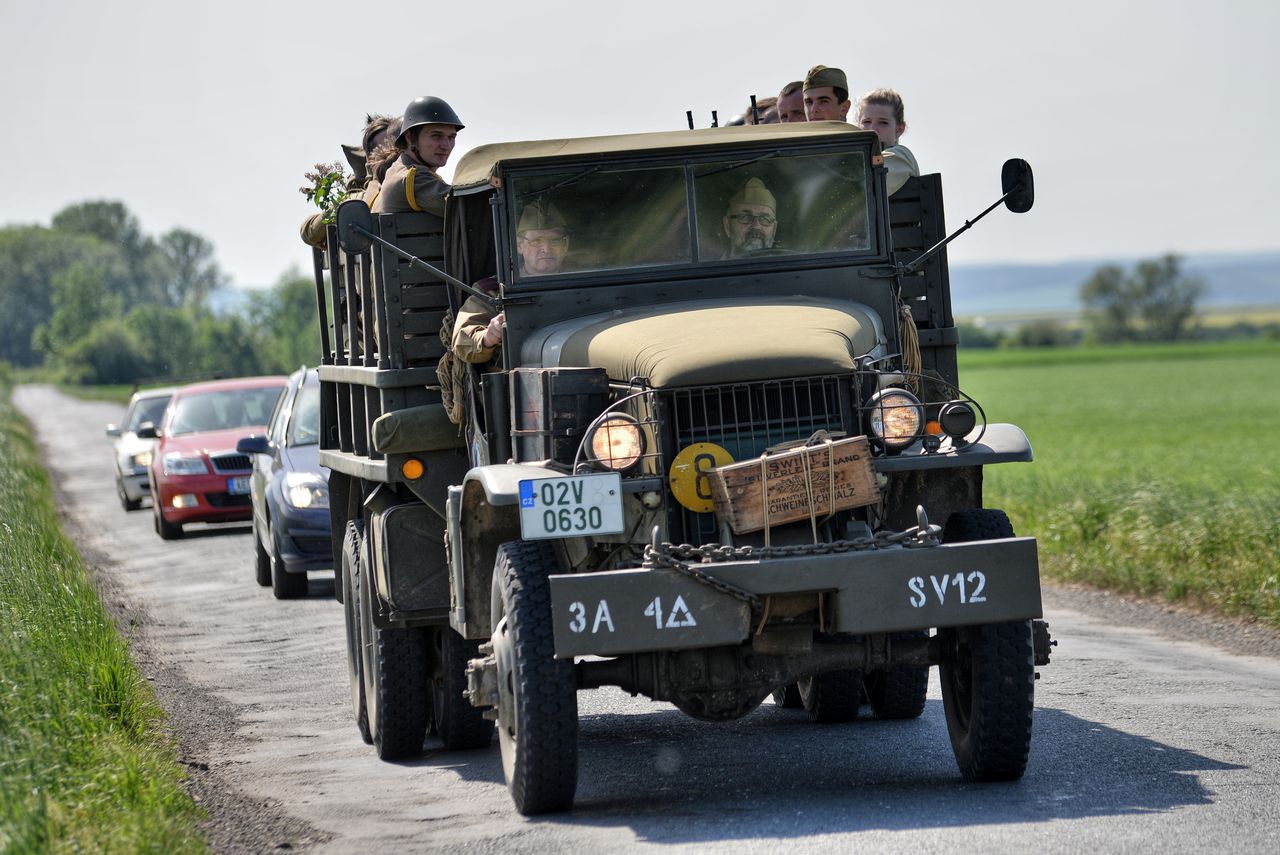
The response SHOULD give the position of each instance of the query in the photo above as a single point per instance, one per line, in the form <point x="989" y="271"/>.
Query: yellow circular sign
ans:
<point x="688" y="475"/>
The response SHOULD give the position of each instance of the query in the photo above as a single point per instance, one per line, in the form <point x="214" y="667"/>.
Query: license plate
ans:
<point x="238" y="486"/>
<point x="571" y="507"/>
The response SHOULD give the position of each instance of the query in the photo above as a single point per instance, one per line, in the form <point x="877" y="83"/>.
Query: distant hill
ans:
<point x="1234" y="279"/>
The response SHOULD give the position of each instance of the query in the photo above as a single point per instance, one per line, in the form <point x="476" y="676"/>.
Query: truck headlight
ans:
<point x="894" y="418"/>
<point x="176" y="463"/>
<point x="303" y="490"/>
<point x="617" y="443"/>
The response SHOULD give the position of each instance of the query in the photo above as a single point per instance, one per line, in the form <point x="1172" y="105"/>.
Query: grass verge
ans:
<point x="1156" y="471"/>
<point x="85" y="762"/>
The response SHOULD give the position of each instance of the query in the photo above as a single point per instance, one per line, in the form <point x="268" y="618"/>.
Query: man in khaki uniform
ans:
<point x="826" y="95"/>
<point x="751" y="220"/>
<point x="426" y="140"/>
<point x="791" y="102"/>
<point x="542" y="240"/>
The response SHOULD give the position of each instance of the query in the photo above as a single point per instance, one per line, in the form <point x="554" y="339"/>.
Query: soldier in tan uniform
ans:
<point x="378" y="130"/>
<point x="751" y="220"/>
<point x="425" y="141"/>
<point x="790" y="104"/>
<point x="826" y="94"/>
<point x="542" y="240"/>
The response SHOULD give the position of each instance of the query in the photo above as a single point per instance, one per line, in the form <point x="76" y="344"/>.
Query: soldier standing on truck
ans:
<point x="790" y="105"/>
<point x="751" y="220"/>
<point x="426" y="140"/>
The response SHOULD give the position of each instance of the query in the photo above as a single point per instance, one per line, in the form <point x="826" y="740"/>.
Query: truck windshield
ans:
<point x="606" y="218"/>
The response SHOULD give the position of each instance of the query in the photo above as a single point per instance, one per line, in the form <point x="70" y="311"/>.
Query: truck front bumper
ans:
<point x="871" y="591"/>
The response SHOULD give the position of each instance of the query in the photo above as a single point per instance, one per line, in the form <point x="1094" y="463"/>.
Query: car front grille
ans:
<point x="747" y="418"/>
<point x="230" y="462"/>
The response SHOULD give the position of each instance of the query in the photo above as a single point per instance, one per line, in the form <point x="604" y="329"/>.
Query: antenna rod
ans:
<point x="688" y="114"/>
<point x="755" y="111"/>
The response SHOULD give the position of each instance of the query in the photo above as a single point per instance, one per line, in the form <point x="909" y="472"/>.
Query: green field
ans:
<point x="1156" y="470"/>
<point x="85" y="762"/>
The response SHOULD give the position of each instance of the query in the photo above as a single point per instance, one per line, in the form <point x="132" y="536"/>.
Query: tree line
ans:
<point x="94" y="299"/>
<point x="1153" y="301"/>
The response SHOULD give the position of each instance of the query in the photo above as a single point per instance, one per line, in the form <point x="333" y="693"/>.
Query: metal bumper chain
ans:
<point x="685" y="558"/>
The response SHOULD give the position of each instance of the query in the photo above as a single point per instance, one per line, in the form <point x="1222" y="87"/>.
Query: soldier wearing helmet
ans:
<point x="425" y="142"/>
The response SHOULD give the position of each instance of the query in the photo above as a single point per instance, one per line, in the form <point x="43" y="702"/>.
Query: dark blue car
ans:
<point x="291" y="530"/>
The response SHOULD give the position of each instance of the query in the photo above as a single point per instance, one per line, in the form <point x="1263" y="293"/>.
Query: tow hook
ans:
<point x="482" y="681"/>
<point x="1041" y="642"/>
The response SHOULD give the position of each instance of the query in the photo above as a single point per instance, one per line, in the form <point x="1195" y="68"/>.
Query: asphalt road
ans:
<point x="1143" y="741"/>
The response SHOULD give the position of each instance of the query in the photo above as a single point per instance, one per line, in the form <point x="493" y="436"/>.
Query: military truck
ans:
<point x="721" y="454"/>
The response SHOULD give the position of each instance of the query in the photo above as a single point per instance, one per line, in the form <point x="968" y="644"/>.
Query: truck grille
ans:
<point x="747" y="418"/>
<point x="230" y="462"/>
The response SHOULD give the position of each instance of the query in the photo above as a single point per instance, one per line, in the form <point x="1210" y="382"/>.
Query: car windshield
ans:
<point x="605" y="218"/>
<point x="233" y="408"/>
<point x="146" y="410"/>
<point x="304" y="425"/>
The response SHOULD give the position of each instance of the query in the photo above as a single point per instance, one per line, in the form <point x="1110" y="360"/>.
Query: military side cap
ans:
<point x="539" y="215"/>
<point x="820" y="76"/>
<point x="754" y="193"/>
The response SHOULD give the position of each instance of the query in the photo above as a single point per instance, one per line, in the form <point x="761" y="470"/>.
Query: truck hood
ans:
<point x="706" y="342"/>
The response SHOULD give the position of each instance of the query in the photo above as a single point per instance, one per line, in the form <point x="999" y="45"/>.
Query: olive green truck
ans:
<point x="720" y="455"/>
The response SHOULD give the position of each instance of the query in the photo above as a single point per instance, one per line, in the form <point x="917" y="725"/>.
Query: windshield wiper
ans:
<point x="738" y="165"/>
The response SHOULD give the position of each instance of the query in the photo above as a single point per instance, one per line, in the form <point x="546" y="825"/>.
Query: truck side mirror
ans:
<point x="1018" y="184"/>
<point x="147" y="430"/>
<point x="355" y="223"/>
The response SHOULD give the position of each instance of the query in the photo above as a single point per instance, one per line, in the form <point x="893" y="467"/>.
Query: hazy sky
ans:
<point x="1151" y="125"/>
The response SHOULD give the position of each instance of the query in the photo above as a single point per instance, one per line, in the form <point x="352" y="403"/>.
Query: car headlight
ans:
<point x="176" y="463"/>
<point x="303" y="490"/>
<point x="141" y="460"/>
<point x="617" y="443"/>
<point x="894" y="418"/>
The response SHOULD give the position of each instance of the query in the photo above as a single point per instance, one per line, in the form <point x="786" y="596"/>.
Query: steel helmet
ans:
<point x="428" y="110"/>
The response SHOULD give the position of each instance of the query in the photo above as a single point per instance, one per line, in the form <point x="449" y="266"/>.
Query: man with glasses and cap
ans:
<point x="751" y="220"/>
<point x="542" y="240"/>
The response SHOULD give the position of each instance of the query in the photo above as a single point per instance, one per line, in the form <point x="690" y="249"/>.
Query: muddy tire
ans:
<point x="349" y="580"/>
<point x="831" y="697"/>
<point x="899" y="691"/>
<point x="988" y="676"/>
<point x="396" y="683"/>
<point x="537" y="693"/>
<point x="458" y="724"/>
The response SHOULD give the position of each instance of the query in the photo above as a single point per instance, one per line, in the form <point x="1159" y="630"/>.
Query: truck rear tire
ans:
<point x="788" y="697"/>
<point x="537" y="693"/>
<point x="988" y="676"/>
<point x="349" y="580"/>
<point x="899" y="691"/>
<point x="396" y="691"/>
<point x="832" y="697"/>
<point x="458" y="723"/>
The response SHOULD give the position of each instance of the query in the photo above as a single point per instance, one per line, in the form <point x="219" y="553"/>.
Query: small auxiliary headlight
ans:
<point x="617" y="443"/>
<point x="957" y="419"/>
<point x="894" y="418"/>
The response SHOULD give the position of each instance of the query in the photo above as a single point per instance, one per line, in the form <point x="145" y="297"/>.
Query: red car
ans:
<point x="196" y="473"/>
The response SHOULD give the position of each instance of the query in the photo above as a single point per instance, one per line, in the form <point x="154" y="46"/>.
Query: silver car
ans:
<point x="133" y="455"/>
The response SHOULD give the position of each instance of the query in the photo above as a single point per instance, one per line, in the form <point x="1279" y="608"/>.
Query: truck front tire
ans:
<point x="537" y="693"/>
<point x="988" y="676"/>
